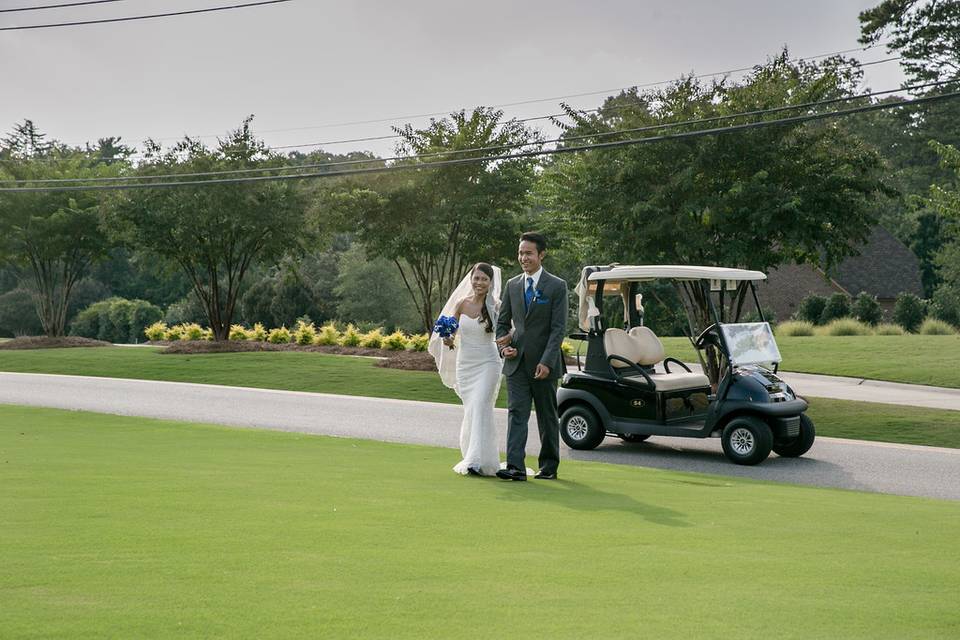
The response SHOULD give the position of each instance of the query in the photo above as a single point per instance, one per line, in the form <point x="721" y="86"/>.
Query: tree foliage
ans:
<point x="214" y="233"/>
<point x="925" y="32"/>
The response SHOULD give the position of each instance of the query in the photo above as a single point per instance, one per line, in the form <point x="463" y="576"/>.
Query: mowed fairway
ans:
<point x="125" y="527"/>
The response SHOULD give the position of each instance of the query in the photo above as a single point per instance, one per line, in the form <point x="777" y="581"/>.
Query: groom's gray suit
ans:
<point x="538" y="330"/>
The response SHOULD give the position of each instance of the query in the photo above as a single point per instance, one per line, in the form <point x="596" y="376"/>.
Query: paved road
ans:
<point x="846" y="464"/>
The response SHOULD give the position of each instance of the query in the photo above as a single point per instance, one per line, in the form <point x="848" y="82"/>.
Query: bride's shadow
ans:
<point x="583" y="497"/>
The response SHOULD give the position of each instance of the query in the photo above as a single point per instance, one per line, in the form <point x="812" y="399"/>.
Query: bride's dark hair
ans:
<point x="485" y="268"/>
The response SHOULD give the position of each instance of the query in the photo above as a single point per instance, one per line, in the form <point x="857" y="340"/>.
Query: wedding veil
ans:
<point x="445" y="357"/>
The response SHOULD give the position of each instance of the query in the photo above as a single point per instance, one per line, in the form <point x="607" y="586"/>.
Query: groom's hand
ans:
<point x="509" y="353"/>
<point x="542" y="372"/>
<point x="503" y="341"/>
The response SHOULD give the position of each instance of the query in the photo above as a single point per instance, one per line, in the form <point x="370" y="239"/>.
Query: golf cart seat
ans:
<point x="643" y="348"/>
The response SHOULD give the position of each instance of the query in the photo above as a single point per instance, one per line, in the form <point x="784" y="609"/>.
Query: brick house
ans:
<point x="885" y="268"/>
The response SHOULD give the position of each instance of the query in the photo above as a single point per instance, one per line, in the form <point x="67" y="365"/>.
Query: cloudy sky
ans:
<point x="307" y="65"/>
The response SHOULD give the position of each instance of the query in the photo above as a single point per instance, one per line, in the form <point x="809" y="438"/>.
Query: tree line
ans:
<point x="385" y="248"/>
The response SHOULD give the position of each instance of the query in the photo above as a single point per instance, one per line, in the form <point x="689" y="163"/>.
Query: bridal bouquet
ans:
<point x="446" y="326"/>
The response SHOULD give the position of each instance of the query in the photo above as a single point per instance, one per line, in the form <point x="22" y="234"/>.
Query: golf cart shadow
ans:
<point x="706" y="456"/>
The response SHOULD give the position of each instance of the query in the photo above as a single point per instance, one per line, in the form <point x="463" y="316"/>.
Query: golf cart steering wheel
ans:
<point x="701" y="340"/>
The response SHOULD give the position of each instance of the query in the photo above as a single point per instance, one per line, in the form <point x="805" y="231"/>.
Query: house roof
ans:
<point x="885" y="268"/>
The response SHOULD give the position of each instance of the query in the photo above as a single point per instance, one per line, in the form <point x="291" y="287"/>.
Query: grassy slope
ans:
<point x="358" y="376"/>
<point x="126" y="527"/>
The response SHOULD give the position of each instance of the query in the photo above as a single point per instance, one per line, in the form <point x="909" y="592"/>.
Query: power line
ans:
<point x="59" y="6"/>
<point x="143" y="17"/>
<point x="516" y="156"/>
<point x="564" y="139"/>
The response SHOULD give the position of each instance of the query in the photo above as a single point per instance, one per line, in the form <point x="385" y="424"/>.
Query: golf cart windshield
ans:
<point x="750" y="343"/>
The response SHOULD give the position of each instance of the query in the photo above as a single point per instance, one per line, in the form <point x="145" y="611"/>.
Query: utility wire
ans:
<point x="58" y="6"/>
<point x="143" y="17"/>
<point x="516" y="156"/>
<point x="562" y="139"/>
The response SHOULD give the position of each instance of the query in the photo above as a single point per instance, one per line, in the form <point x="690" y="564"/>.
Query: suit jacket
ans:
<point x="538" y="330"/>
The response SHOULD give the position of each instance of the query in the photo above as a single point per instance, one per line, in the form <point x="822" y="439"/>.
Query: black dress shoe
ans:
<point x="473" y="471"/>
<point x="544" y="475"/>
<point x="511" y="473"/>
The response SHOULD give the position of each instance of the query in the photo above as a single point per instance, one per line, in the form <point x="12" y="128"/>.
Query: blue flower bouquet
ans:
<point x="446" y="326"/>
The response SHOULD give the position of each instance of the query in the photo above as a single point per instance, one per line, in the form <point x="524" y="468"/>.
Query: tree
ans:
<point x="371" y="291"/>
<point x="433" y="223"/>
<point x="214" y="233"/>
<point x="50" y="238"/>
<point x="925" y="32"/>
<point x="753" y="199"/>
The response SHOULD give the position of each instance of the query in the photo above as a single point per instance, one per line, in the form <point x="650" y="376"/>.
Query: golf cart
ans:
<point x="627" y="386"/>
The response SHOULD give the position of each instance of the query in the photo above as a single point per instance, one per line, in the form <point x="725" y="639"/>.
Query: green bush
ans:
<point x="351" y="337"/>
<point x="934" y="327"/>
<point x="174" y="333"/>
<point x="156" y="332"/>
<point x="18" y="314"/>
<point x="795" y="329"/>
<point x="328" y="335"/>
<point x="838" y="306"/>
<point x="237" y="333"/>
<point x="909" y="311"/>
<point x="889" y="329"/>
<point x="304" y="332"/>
<point x="811" y="308"/>
<point x="192" y="331"/>
<point x="566" y="347"/>
<point x="115" y="320"/>
<point x="372" y="339"/>
<point x="396" y="341"/>
<point x="279" y="336"/>
<point x="207" y="334"/>
<point x="419" y="341"/>
<point x="845" y="327"/>
<point x="945" y="304"/>
<point x="258" y="333"/>
<point x="866" y="309"/>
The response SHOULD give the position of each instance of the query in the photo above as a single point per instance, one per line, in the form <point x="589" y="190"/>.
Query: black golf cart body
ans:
<point x="627" y="386"/>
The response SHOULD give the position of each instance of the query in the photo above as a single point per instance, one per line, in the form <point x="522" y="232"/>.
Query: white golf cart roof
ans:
<point x="627" y="273"/>
<point x="616" y="279"/>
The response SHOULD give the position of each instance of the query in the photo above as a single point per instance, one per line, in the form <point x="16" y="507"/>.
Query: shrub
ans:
<point x="866" y="309"/>
<point x="350" y="337"/>
<point x="888" y="329"/>
<point x="838" y="306"/>
<point x="258" y="333"/>
<point x="419" y="341"/>
<point x="396" y="341"/>
<point x="811" y="308"/>
<point x="328" y="335"/>
<point x="909" y="311"/>
<point x="156" y="331"/>
<point x="304" y="332"/>
<point x="174" y="333"/>
<point x="115" y="320"/>
<point x="18" y="314"/>
<point x="192" y="331"/>
<point x="945" y="304"/>
<point x="372" y="339"/>
<point x="566" y="347"/>
<point x="934" y="327"/>
<point x="237" y="333"/>
<point x="795" y="329"/>
<point x="845" y="327"/>
<point x="279" y="336"/>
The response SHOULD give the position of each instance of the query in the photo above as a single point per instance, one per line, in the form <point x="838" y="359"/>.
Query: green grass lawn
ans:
<point x="358" y="376"/>
<point x="913" y="359"/>
<point x="126" y="527"/>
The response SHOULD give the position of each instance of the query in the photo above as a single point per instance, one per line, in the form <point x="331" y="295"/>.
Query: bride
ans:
<point x="470" y="364"/>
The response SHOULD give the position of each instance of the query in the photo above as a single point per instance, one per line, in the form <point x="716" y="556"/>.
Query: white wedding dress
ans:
<point x="478" y="382"/>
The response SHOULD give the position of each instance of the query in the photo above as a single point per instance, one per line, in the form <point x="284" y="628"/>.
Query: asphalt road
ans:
<point x="845" y="464"/>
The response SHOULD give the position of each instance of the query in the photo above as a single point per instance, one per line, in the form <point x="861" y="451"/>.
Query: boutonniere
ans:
<point x="537" y="295"/>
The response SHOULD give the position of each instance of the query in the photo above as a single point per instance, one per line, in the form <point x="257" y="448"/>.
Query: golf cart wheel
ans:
<point x="747" y="440"/>
<point x="796" y="447"/>
<point x="633" y="437"/>
<point x="580" y="428"/>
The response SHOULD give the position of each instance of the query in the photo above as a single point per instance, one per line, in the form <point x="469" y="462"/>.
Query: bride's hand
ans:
<point x="505" y="340"/>
<point x="448" y="341"/>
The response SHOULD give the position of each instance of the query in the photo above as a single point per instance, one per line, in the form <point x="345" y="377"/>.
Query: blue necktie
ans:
<point x="528" y="294"/>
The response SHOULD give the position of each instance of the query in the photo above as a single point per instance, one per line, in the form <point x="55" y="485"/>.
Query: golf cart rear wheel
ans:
<point x="633" y="437"/>
<point x="747" y="440"/>
<point x="580" y="428"/>
<point x="796" y="447"/>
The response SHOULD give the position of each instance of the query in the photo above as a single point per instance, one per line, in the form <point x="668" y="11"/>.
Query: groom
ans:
<point x="535" y="302"/>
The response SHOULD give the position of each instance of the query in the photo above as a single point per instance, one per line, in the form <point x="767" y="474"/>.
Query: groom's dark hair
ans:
<point x="536" y="238"/>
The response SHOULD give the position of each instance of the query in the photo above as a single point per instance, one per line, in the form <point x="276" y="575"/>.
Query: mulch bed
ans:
<point x="241" y="346"/>
<point x="43" y="342"/>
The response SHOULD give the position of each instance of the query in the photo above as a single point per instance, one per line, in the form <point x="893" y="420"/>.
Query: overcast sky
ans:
<point x="306" y="64"/>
